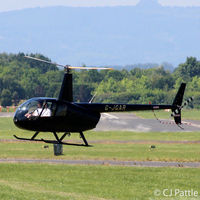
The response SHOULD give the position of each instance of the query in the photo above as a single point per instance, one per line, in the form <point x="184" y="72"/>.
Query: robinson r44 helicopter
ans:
<point x="42" y="114"/>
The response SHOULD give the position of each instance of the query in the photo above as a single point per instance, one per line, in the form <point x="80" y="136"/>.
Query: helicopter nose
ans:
<point x="18" y="119"/>
<point x="15" y="120"/>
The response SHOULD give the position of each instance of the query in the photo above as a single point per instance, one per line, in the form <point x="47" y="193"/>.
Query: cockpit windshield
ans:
<point x="37" y="108"/>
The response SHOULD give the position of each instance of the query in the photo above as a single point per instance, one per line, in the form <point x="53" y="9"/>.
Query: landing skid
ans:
<point x="64" y="143"/>
<point x="31" y="139"/>
<point x="57" y="141"/>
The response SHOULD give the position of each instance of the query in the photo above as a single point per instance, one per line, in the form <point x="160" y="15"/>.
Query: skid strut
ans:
<point x="83" y="137"/>
<point x="57" y="141"/>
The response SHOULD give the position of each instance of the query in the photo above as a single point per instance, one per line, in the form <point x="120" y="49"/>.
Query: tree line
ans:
<point x="22" y="78"/>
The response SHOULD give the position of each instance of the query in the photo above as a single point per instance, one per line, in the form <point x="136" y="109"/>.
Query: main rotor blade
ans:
<point x="66" y="66"/>
<point x="33" y="58"/>
<point x="70" y="67"/>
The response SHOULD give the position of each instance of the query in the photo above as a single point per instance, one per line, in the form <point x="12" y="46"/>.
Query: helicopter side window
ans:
<point x="52" y="107"/>
<point x="61" y="110"/>
<point x="38" y="108"/>
<point x="46" y="111"/>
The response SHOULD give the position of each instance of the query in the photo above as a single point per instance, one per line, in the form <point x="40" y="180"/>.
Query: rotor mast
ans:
<point x="66" y="90"/>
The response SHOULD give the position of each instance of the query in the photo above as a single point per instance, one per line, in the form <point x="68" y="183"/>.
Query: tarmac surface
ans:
<point x="6" y="114"/>
<point x="106" y="162"/>
<point x="130" y="122"/>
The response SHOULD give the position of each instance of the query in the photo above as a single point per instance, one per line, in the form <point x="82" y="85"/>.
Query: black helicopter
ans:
<point x="44" y="114"/>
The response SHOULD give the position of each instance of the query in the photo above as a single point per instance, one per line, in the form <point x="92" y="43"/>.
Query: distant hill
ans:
<point x="145" y="33"/>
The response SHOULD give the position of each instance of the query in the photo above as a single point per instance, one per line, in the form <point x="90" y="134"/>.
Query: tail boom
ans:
<point x="175" y="107"/>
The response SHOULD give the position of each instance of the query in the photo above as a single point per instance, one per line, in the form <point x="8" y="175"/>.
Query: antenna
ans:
<point x="92" y="99"/>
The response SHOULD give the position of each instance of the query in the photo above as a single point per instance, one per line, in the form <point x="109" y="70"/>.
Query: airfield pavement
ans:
<point x="6" y="114"/>
<point x="106" y="162"/>
<point x="126" y="122"/>
<point x="130" y="122"/>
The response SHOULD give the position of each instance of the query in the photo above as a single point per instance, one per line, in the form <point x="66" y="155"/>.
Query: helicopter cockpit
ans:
<point x="35" y="108"/>
<point x="38" y="108"/>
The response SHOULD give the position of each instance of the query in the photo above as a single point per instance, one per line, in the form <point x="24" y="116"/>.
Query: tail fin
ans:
<point x="176" y="110"/>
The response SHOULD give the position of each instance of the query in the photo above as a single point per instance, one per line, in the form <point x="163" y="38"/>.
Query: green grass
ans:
<point x="73" y="182"/>
<point x="107" y="149"/>
<point x="142" y="152"/>
<point x="187" y="114"/>
<point x="50" y="182"/>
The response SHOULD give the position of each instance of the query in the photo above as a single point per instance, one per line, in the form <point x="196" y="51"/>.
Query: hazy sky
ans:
<point x="20" y="4"/>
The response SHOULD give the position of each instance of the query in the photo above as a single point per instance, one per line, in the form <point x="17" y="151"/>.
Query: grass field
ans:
<point x="50" y="182"/>
<point x="131" y="152"/>
<point x="74" y="182"/>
